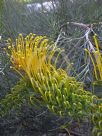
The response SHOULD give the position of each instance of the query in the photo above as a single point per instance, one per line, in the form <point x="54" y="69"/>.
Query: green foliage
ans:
<point x="97" y="120"/>
<point x="1" y="12"/>
<point x="18" y="19"/>
<point x="17" y="97"/>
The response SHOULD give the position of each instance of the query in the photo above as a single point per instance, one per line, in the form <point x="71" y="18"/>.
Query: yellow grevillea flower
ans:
<point x="27" y="48"/>
<point x="33" y="55"/>
<point x="60" y="93"/>
<point x="38" y="59"/>
<point x="96" y="58"/>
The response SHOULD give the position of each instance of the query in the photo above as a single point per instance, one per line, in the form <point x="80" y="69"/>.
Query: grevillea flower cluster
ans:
<point x="96" y="58"/>
<point x="36" y="57"/>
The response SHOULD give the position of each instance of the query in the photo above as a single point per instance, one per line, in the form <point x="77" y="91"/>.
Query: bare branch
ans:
<point x="85" y="26"/>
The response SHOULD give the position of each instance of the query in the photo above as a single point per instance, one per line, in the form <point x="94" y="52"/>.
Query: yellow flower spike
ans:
<point x="46" y="95"/>
<point x="79" y="105"/>
<point x="9" y="47"/>
<point x="19" y="66"/>
<point x="53" y="88"/>
<point x="44" y="36"/>
<point x="68" y="104"/>
<point x="59" y="53"/>
<point x="44" y="42"/>
<point x="59" y="93"/>
<point x="65" y="104"/>
<point x="43" y="95"/>
<point x="60" y="113"/>
<point x="47" y="83"/>
<point x="96" y="59"/>
<point x="99" y="134"/>
<point x="50" y="97"/>
<point x="50" y="56"/>
<point x="96" y="41"/>
<point x="64" y="97"/>
<point x="53" y="109"/>
<point x="58" y="100"/>
<point x="95" y="70"/>
<point x="100" y="108"/>
<point x="100" y="124"/>
<point x="66" y="92"/>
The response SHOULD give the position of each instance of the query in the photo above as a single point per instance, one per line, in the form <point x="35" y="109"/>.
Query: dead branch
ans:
<point x="82" y="25"/>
